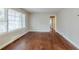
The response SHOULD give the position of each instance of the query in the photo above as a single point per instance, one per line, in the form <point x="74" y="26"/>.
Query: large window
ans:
<point x="10" y="20"/>
<point x="15" y="19"/>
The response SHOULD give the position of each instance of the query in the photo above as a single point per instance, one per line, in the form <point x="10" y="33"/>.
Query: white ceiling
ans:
<point x="43" y="10"/>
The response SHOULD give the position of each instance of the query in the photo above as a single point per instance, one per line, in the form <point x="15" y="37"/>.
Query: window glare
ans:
<point x="3" y="22"/>
<point x="15" y="20"/>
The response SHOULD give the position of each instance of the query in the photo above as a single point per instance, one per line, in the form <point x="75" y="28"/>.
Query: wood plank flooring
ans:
<point x="39" y="41"/>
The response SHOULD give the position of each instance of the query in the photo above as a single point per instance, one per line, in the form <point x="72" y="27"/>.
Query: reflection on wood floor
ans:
<point x="40" y="41"/>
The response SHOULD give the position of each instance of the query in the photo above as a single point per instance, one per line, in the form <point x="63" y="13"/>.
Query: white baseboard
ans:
<point x="13" y="39"/>
<point x="68" y="39"/>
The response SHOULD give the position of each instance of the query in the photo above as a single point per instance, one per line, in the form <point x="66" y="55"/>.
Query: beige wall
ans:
<point x="40" y="22"/>
<point x="68" y="24"/>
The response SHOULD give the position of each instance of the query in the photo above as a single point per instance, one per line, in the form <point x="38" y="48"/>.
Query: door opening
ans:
<point x="52" y="23"/>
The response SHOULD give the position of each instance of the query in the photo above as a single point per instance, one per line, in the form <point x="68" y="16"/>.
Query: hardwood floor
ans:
<point x="40" y="41"/>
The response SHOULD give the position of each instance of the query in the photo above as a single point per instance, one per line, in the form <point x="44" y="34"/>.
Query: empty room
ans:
<point x="39" y="28"/>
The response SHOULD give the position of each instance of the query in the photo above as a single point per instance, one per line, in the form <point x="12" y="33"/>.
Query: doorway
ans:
<point x="52" y="23"/>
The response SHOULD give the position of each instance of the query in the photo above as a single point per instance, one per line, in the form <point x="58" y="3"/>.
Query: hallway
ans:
<point x="39" y="41"/>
